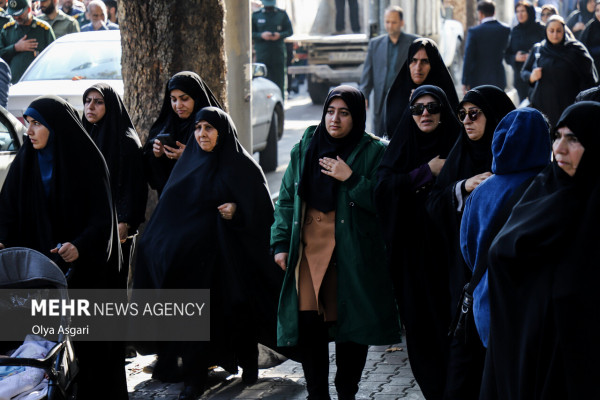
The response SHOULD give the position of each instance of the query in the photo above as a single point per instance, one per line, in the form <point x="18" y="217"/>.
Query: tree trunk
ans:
<point x="163" y="37"/>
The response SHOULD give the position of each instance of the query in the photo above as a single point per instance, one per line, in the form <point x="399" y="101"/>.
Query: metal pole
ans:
<point x="238" y="50"/>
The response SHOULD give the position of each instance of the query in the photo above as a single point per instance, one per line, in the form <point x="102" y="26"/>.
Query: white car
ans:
<point x="11" y="138"/>
<point x="74" y="62"/>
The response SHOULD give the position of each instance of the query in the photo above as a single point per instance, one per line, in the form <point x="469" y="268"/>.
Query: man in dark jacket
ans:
<point x="485" y="49"/>
<point x="385" y="57"/>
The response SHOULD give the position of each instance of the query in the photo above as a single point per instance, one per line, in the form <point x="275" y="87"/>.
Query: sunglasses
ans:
<point x="473" y="114"/>
<point x="432" y="108"/>
<point x="547" y="14"/>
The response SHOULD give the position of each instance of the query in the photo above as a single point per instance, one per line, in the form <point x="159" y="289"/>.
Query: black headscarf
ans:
<point x="159" y="169"/>
<point x="522" y="262"/>
<point x="317" y="189"/>
<point x="399" y="94"/>
<point x="570" y="50"/>
<point x="469" y="157"/>
<point x="78" y="207"/>
<point x="409" y="147"/>
<point x="120" y="145"/>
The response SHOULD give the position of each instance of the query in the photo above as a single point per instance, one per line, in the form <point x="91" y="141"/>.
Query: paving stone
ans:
<point x="378" y="396"/>
<point x="385" y="369"/>
<point x="386" y="376"/>
<point x="395" y="389"/>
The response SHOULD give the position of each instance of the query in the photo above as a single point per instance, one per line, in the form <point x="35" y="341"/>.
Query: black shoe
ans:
<point x="191" y="392"/>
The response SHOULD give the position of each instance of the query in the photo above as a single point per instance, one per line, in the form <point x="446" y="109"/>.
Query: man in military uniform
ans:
<point x="24" y="38"/>
<point x="60" y="22"/>
<point x="75" y="9"/>
<point x="270" y="25"/>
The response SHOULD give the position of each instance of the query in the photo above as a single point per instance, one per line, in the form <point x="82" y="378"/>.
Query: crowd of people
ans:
<point x="473" y="227"/>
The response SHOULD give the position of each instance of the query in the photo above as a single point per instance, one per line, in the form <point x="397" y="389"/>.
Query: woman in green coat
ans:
<point x="327" y="238"/>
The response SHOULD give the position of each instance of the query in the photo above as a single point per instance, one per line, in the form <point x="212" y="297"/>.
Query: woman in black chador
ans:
<point x="468" y="164"/>
<point x="58" y="191"/>
<point x="522" y="38"/>
<point x="417" y="260"/>
<point x="210" y="230"/>
<point x="107" y="121"/>
<point x="591" y="36"/>
<point x="414" y="73"/>
<point x="185" y="94"/>
<point x="543" y="276"/>
<point x="558" y="68"/>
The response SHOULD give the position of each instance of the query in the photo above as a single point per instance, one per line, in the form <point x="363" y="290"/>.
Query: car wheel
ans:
<point x="268" y="157"/>
<point x="318" y="91"/>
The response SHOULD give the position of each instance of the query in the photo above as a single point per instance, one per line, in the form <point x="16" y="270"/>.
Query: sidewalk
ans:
<point x="387" y="376"/>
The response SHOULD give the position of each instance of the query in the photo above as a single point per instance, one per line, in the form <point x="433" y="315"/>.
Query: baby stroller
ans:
<point x="28" y="271"/>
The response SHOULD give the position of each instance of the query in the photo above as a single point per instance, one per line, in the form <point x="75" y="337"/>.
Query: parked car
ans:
<point x="74" y="62"/>
<point x="11" y="139"/>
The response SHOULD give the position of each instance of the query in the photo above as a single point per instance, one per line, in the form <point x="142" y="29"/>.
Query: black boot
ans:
<point x="314" y="347"/>
<point x="350" y="360"/>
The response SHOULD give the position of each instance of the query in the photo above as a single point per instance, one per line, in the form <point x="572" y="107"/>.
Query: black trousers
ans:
<point x="340" y="15"/>
<point x="314" y="347"/>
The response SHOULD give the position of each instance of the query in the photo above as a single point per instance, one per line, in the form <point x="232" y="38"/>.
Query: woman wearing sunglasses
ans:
<point x="414" y="158"/>
<point x="468" y="164"/>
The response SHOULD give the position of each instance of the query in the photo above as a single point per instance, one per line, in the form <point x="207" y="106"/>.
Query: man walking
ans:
<point x="24" y="38"/>
<point x="484" y="50"/>
<point x="385" y="57"/>
<point x="270" y="25"/>
<point x="60" y="22"/>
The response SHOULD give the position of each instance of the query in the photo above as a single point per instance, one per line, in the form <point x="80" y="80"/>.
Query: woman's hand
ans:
<point x="475" y="181"/>
<point x="337" y="169"/>
<point x="578" y="26"/>
<point x="123" y="231"/>
<point x="521" y="56"/>
<point x="174" y="153"/>
<point x="227" y="210"/>
<point x="157" y="148"/>
<point x="436" y="164"/>
<point x="67" y="251"/>
<point x="536" y="75"/>
<point x="281" y="260"/>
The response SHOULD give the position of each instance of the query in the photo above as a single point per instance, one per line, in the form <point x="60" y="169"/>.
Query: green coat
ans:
<point x="12" y="33"/>
<point x="367" y="311"/>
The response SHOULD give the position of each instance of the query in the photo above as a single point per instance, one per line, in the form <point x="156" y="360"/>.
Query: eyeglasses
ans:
<point x="547" y="14"/>
<point x="432" y="108"/>
<point x="472" y="113"/>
